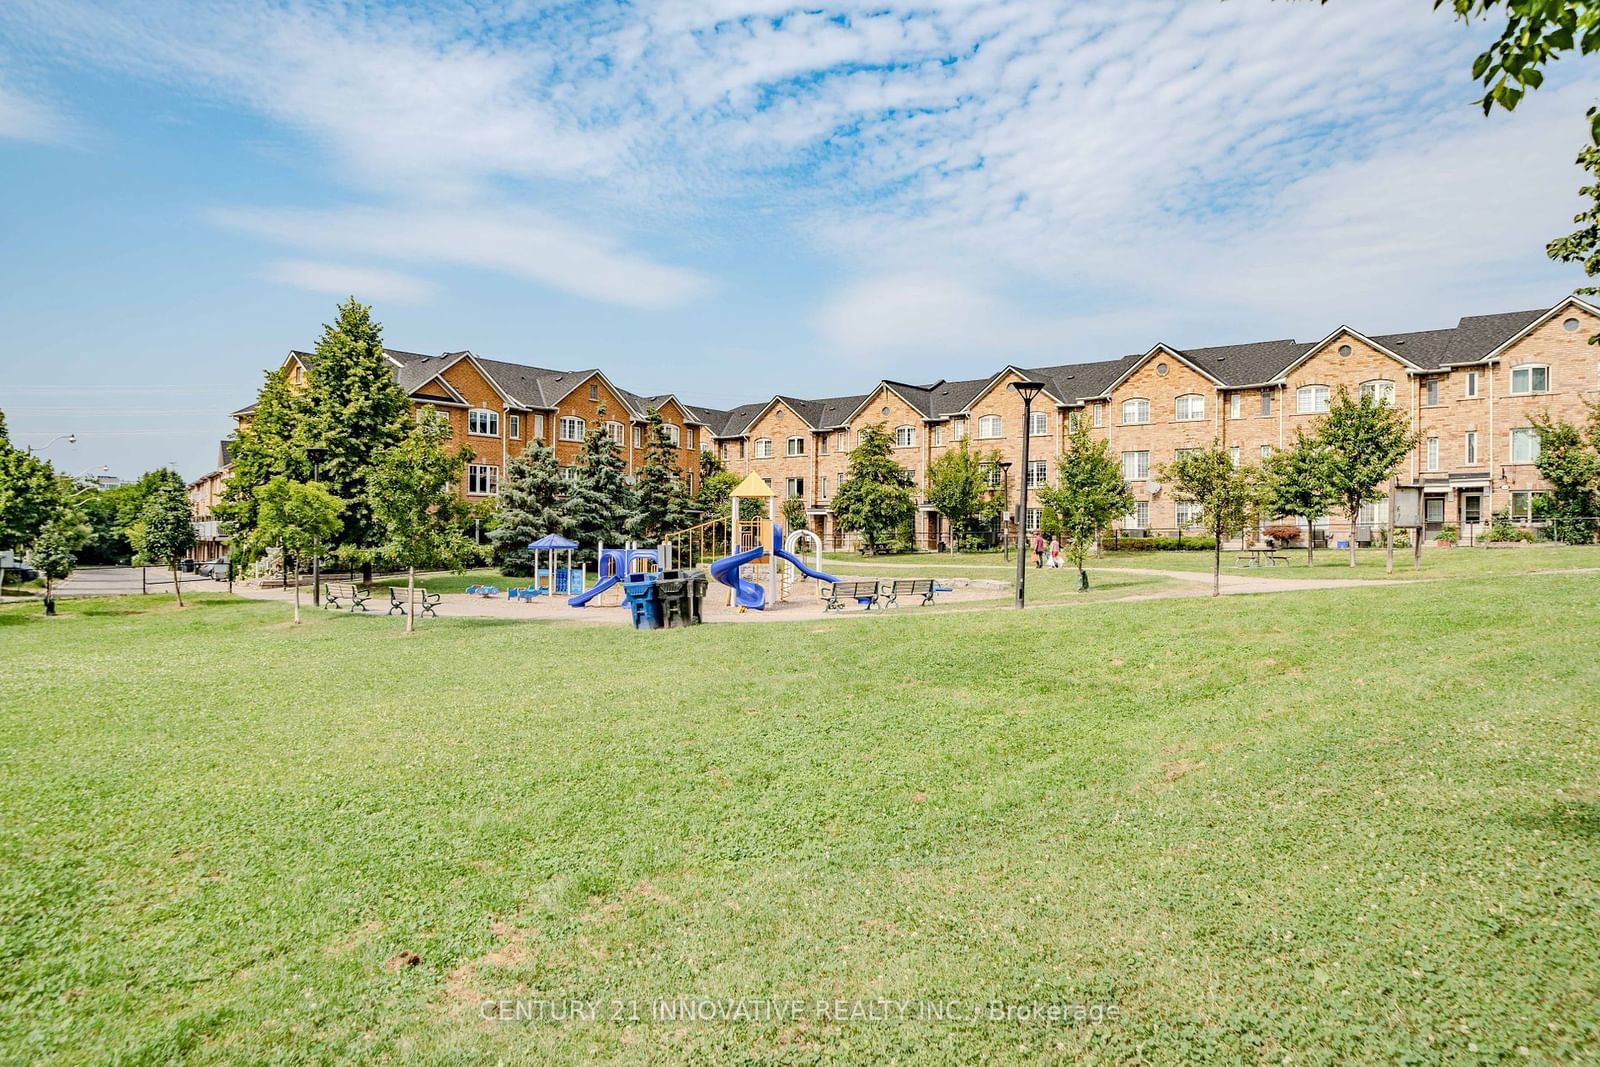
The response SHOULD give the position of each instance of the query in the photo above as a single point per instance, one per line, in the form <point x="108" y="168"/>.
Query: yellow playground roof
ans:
<point x="753" y="485"/>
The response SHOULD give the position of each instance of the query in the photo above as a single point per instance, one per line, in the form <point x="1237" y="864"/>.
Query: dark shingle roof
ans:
<point x="1246" y="364"/>
<point x="1478" y="335"/>
<point x="1073" y="382"/>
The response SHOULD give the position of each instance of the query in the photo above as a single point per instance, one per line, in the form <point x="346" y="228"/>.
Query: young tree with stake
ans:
<point x="164" y="533"/>
<point x="1229" y="496"/>
<point x="297" y="517"/>
<point x="54" y="551"/>
<point x="1088" y="496"/>
<point x="1299" y="483"/>
<point x="1366" y="437"/>
<point x="412" y="493"/>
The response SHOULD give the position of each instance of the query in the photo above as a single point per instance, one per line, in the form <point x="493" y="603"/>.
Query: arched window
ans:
<point x="795" y="446"/>
<point x="572" y="428"/>
<point x="1379" y="389"/>
<point x="1135" y="411"/>
<point x="989" y="426"/>
<point x="614" y="431"/>
<point x="1311" y="399"/>
<point x="763" y="448"/>
<point x="1038" y="424"/>
<point x="905" y="436"/>
<point x="672" y="433"/>
<point x="1191" y="407"/>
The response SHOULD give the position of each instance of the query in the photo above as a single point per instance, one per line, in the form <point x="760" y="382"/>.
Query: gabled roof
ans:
<point x="1077" y="382"/>
<point x="1248" y="364"/>
<point x="1481" y="331"/>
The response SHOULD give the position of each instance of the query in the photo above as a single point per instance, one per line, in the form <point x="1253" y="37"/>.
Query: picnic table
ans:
<point x="1262" y="556"/>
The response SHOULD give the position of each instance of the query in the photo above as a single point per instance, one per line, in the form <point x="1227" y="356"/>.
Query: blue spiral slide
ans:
<point x="752" y="594"/>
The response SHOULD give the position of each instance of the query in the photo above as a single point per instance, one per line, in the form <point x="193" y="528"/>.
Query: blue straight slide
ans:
<point x="801" y="567"/>
<point x="745" y="594"/>
<point x="600" y="587"/>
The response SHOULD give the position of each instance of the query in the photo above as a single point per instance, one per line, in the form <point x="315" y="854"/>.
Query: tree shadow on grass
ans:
<point x="1576" y="818"/>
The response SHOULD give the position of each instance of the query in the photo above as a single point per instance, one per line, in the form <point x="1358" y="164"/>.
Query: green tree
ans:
<point x="411" y="491"/>
<point x="793" y="512"/>
<point x="958" y="487"/>
<point x="527" y="508"/>
<point x="354" y="410"/>
<point x="269" y="445"/>
<point x="164" y="534"/>
<point x="660" y="503"/>
<point x="600" y="503"/>
<point x="715" y="499"/>
<point x="29" y="493"/>
<point x="1365" y="438"/>
<point x="1572" y="468"/>
<point x="54" y="551"/>
<point x="1089" y="494"/>
<point x="1299" y="483"/>
<point x="1229" y="497"/>
<point x="297" y="517"/>
<point x="875" y="498"/>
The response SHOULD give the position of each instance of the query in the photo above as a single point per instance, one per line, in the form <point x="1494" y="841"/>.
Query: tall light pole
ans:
<point x="1005" y="506"/>
<point x="69" y="438"/>
<point x="1026" y="390"/>
<point x="314" y="453"/>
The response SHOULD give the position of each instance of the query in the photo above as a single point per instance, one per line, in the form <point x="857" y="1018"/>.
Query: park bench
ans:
<point x="425" y="600"/>
<point x="841" y="593"/>
<point x="334" y="592"/>
<point x="911" y="587"/>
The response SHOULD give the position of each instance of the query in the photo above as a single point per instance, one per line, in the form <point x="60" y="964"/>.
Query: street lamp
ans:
<point x="314" y="453"/>
<point x="1026" y="390"/>
<point x="69" y="438"/>
<point x="1005" y="506"/>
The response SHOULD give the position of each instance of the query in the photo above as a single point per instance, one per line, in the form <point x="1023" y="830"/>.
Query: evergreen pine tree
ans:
<point x="354" y="409"/>
<point x="600" y="502"/>
<point x="661" y="505"/>
<point x="528" y="508"/>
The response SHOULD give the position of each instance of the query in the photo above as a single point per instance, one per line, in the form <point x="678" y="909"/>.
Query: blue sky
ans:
<point x="725" y="198"/>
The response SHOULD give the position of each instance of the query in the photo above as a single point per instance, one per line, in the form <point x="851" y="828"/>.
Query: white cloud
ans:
<point x="342" y="280"/>
<point x="25" y="119"/>
<point x="517" y="241"/>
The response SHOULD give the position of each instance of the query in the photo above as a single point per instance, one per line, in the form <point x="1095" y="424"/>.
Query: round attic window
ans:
<point x="1345" y="350"/>
<point x="884" y="410"/>
<point x="1161" y="368"/>
<point x="1571" y="325"/>
<point x="778" y="414"/>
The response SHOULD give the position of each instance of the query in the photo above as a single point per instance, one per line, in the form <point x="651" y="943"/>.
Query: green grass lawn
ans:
<point x="1333" y="825"/>
<point x="1328" y="563"/>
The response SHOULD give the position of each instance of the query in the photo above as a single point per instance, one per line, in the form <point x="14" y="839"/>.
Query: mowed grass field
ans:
<point x="1322" y="826"/>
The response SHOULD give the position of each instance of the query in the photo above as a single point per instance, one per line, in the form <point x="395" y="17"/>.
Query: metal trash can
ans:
<point x="674" y="597"/>
<point x="696" y="583"/>
<point x="643" y="598"/>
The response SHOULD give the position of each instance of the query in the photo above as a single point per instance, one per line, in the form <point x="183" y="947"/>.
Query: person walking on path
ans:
<point x="1038" y="550"/>
<point x="1055" y="553"/>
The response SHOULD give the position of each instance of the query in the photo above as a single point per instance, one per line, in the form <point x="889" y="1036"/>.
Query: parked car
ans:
<point x="21" y="573"/>
<point x="216" y="568"/>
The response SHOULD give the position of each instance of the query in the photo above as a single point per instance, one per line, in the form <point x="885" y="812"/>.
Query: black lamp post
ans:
<point x="315" y="453"/>
<point x="1005" y="506"/>
<point x="1026" y="390"/>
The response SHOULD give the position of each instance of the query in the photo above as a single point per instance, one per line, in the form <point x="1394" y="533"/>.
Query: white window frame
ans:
<point x="514" y="427"/>
<point x="1235" y="405"/>
<point x="1471" y="388"/>
<point x="476" y="419"/>
<point x="1266" y="403"/>
<point x="1189" y="407"/>
<point x="1032" y="519"/>
<point x="794" y="446"/>
<point x="958" y="428"/>
<point x="1528" y="496"/>
<point x="1235" y="456"/>
<point x="1139" y="407"/>
<point x="1097" y="417"/>
<point x="763" y="448"/>
<point x="1139" y="517"/>
<point x="615" y="431"/>
<point x="994" y="475"/>
<point x="1266" y="452"/>
<point x="1381" y="388"/>
<point x="1469" y="448"/>
<point x="638" y="436"/>
<point x="483" y="479"/>
<point x="1038" y="473"/>
<point x="822" y="487"/>
<point x="1188" y="514"/>
<point x="674" y="434"/>
<point x="823" y="443"/>
<point x="1528" y="370"/>
<point x="573" y="428"/>
<point x="538" y="427"/>
<point x="938" y="436"/>
<point x="1135" y="465"/>
<point x="1311" y="400"/>
<point x="1038" y="424"/>
<point x="905" y="437"/>
<point x="1530" y="438"/>
<point x="1430" y="454"/>
<point x="1430" y="392"/>
<point x="794" y="487"/>
<point x="990" y="427"/>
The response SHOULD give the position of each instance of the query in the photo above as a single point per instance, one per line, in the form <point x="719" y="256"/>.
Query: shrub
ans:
<point x="1286" y="534"/>
<point x="1449" y="534"/>
<point x="1501" y="528"/>
<point x="1164" y="544"/>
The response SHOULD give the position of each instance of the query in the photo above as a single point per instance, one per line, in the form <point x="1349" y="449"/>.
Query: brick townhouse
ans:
<point x="1470" y="391"/>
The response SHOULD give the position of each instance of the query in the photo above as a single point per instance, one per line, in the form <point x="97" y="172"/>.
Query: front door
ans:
<point x="1471" y="511"/>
